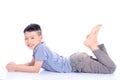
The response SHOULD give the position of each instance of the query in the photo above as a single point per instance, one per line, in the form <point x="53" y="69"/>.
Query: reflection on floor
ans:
<point x="45" y="75"/>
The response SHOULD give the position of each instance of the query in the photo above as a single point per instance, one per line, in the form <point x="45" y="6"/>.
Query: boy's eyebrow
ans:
<point x="30" y="35"/>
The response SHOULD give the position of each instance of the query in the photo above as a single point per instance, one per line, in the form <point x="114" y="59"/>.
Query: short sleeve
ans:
<point x="39" y="54"/>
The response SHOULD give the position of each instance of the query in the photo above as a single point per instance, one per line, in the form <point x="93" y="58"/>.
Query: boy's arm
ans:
<point x="35" y="68"/>
<point x="27" y="67"/>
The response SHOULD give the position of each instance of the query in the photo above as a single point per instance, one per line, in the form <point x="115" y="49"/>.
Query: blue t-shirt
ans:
<point x="51" y="60"/>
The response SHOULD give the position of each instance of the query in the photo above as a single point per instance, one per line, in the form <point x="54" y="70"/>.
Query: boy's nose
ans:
<point x="29" y="41"/>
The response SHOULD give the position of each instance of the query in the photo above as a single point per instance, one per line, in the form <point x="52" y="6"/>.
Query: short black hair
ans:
<point x="33" y="27"/>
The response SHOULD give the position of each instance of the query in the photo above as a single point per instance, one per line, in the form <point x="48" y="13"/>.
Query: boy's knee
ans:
<point x="113" y="68"/>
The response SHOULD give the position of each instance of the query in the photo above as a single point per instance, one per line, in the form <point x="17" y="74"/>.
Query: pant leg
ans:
<point x="108" y="66"/>
<point x="102" y="47"/>
<point x="85" y="63"/>
<point x="76" y="61"/>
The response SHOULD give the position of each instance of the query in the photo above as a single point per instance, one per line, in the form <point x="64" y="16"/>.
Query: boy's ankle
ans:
<point x="93" y="47"/>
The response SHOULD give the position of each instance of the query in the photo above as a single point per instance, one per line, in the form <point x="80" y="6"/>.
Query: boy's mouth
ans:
<point x="30" y="46"/>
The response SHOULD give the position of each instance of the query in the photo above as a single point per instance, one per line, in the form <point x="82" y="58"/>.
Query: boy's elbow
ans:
<point x="36" y="70"/>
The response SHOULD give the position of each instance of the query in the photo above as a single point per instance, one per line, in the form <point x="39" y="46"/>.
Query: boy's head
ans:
<point x="33" y="35"/>
<point x="33" y="27"/>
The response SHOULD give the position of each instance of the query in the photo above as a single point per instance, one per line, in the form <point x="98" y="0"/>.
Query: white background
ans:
<point x="65" y="24"/>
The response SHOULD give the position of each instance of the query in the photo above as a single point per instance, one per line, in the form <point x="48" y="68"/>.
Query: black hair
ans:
<point x="33" y="27"/>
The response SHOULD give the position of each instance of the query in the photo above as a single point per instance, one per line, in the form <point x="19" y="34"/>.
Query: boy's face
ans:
<point x="32" y="39"/>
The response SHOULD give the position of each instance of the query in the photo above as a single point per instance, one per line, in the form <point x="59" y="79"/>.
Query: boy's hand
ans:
<point x="11" y="66"/>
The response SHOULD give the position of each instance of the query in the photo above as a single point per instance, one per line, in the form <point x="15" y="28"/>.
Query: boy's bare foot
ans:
<point x="96" y="29"/>
<point x="91" y="39"/>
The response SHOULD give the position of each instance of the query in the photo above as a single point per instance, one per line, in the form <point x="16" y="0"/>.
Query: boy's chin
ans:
<point x="31" y="48"/>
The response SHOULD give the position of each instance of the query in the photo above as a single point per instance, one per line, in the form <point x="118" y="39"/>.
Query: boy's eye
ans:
<point x="32" y="38"/>
<point x="26" y="38"/>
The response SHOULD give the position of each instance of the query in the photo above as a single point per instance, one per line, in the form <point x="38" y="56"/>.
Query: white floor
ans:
<point x="45" y="75"/>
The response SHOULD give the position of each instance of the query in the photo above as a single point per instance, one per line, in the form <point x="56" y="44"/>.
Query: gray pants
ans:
<point x="81" y="62"/>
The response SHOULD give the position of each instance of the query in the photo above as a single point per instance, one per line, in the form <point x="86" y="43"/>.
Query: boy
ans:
<point x="50" y="61"/>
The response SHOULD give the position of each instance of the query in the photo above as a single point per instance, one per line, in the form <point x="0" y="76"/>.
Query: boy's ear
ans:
<point x="41" y="36"/>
